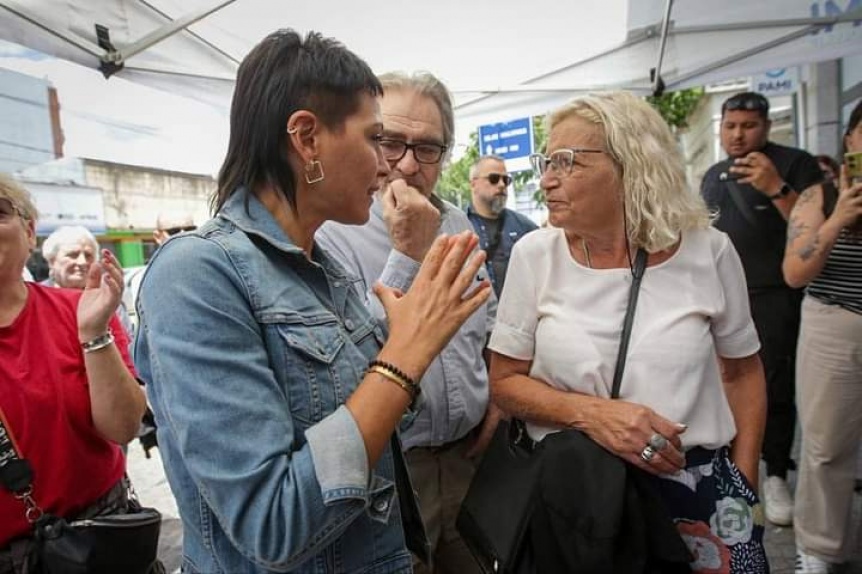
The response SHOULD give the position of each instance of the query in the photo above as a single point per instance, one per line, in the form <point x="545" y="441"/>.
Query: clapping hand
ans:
<point x="100" y="298"/>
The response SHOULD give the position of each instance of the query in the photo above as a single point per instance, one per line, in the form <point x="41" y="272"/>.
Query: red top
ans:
<point x="45" y="397"/>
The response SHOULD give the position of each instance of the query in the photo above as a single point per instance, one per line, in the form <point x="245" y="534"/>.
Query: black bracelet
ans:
<point x="395" y="370"/>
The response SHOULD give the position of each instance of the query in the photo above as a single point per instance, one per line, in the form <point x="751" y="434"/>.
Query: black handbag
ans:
<point x="106" y="544"/>
<point x="497" y="509"/>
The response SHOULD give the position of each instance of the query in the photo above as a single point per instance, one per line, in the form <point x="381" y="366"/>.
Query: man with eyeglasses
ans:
<point x="498" y="228"/>
<point x="453" y="420"/>
<point x="753" y="192"/>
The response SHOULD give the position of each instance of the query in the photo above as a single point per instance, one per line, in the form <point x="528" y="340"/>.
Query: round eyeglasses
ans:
<point x="560" y="161"/>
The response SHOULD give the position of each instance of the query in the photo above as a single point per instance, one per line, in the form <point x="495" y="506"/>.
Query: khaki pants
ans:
<point x="441" y="476"/>
<point x="829" y="396"/>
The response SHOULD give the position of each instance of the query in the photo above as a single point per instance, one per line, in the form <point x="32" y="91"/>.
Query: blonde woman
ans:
<point x="692" y="400"/>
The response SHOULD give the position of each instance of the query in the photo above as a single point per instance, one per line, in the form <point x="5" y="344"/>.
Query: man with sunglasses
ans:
<point x="498" y="228"/>
<point x="753" y="192"/>
<point x="453" y="420"/>
<point x="170" y="224"/>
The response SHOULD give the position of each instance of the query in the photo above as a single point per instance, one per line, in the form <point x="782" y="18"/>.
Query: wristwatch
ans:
<point x="783" y="192"/>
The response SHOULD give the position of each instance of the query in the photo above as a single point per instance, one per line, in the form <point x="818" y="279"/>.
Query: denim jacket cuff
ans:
<point x="340" y="459"/>
<point x="400" y="270"/>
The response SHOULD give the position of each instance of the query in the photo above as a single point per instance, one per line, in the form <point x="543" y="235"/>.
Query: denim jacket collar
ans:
<point x="255" y="219"/>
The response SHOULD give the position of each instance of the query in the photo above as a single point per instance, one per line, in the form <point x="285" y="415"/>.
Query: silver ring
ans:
<point x="657" y="441"/>
<point x="647" y="453"/>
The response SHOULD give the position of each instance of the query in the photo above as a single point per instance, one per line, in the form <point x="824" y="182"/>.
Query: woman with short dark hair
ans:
<point x="276" y="393"/>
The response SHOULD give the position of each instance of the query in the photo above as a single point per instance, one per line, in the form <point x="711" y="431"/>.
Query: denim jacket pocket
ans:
<point x="312" y="376"/>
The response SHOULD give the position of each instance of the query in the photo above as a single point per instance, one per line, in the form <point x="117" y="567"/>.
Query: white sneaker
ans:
<point x="777" y="500"/>
<point x="810" y="564"/>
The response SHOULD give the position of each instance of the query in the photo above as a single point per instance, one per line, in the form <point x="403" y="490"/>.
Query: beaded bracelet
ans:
<point x="98" y="343"/>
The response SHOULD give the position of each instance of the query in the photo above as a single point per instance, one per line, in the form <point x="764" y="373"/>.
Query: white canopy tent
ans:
<point x="502" y="59"/>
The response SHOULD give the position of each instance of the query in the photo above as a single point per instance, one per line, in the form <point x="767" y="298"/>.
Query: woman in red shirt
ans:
<point x="67" y="390"/>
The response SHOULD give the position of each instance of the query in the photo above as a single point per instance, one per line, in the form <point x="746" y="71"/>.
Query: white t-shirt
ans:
<point x="567" y="319"/>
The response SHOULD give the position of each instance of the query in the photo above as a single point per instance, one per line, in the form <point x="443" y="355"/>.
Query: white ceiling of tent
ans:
<point x="473" y="45"/>
<point x="501" y="58"/>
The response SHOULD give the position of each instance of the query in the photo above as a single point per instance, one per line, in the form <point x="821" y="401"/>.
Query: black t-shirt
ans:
<point x="760" y="247"/>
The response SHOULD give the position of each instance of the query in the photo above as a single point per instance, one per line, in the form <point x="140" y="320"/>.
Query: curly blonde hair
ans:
<point x="659" y="205"/>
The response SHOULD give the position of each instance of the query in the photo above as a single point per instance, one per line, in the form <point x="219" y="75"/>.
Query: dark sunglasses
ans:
<point x="747" y="103"/>
<point x="174" y="230"/>
<point x="494" y="178"/>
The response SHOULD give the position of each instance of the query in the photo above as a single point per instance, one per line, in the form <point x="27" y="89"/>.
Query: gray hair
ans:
<point x="490" y="157"/>
<point x="426" y="84"/>
<point x="64" y="236"/>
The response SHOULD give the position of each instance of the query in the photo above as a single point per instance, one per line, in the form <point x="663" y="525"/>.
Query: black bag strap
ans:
<point x="637" y="276"/>
<point x="16" y="475"/>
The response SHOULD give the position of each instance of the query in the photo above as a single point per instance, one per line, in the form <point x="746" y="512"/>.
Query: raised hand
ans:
<point x="100" y="298"/>
<point x="759" y="171"/>
<point x="440" y="299"/>
<point x="411" y="219"/>
<point x="848" y="208"/>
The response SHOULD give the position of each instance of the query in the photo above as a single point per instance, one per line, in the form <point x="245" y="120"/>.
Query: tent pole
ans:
<point x="194" y="34"/>
<point x="665" y="25"/>
<point x="79" y="43"/>
<point x="170" y="29"/>
<point x="744" y="54"/>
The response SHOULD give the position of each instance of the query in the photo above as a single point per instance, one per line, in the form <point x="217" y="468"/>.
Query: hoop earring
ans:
<point x="292" y="130"/>
<point x="314" y="172"/>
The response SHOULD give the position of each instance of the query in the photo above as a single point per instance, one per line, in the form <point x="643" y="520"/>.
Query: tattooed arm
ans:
<point x="810" y="237"/>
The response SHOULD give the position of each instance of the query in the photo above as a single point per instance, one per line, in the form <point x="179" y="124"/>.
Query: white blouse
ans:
<point x="567" y="320"/>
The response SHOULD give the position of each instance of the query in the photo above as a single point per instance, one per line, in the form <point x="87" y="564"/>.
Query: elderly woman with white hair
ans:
<point x="70" y="251"/>
<point x="691" y="405"/>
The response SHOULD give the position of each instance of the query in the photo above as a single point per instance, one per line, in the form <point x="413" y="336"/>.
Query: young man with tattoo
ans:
<point x="754" y="191"/>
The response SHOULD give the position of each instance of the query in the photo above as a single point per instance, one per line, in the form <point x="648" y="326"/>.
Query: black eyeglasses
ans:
<point x="561" y="161"/>
<point x="495" y="178"/>
<point x="8" y="210"/>
<point x="174" y="230"/>
<point x="394" y="150"/>
<point x="748" y="103"/>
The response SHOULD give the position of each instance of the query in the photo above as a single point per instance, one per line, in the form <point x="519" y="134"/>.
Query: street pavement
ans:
<point x="149" y="479"/>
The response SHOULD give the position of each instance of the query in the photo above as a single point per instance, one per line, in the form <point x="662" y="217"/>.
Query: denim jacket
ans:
<point x="249" y="351"/>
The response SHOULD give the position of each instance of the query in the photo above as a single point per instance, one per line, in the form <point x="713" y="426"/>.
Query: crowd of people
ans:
<point x="329" y="356"/>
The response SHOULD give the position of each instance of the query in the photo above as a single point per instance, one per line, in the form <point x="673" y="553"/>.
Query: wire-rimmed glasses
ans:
<point x="560" y="161"/>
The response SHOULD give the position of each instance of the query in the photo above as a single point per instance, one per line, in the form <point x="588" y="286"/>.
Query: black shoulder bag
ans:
<point x="499" y="504"/>
<point x="108" y="544"/>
